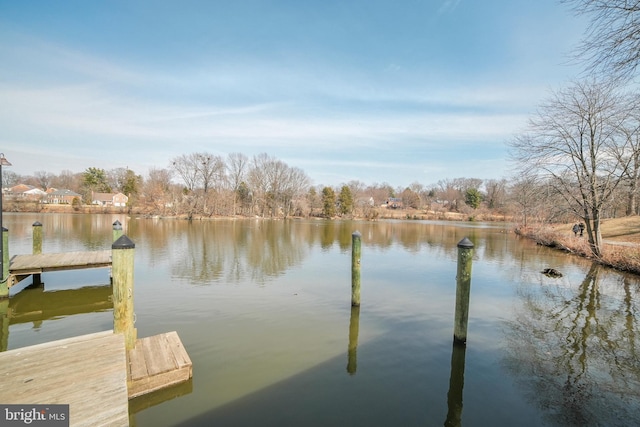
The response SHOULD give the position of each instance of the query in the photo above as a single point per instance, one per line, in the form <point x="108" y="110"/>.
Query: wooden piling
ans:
<point x="37" y="249"/>
<point x="37" y="238"/>
<point x="117" y="230"/>
<point x="356" y="244"/>
<point x="463" y="289"/>
<point x="4" y="279"/>
<point x="352" y="354"/>
<point x="122" y="259"/>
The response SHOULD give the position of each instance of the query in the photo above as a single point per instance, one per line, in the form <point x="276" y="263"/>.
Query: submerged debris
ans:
<point x="551" y="272"/>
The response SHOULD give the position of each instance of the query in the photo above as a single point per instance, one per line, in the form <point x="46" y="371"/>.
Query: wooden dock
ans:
<point x="89" y="373"/>
<point x="22" y="266"/>
<point x="93" y="374"/>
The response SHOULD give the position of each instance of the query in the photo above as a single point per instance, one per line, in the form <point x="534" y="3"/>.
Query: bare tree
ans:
<point x="523" y="193"/>
<point x="612" y="42"/>
<point x="449" y="192"/>
<point x="574" y="142"/>
<point x="10" y="178"/>
<point x="258" y="180"/>
<point x="632" y="178"/>
<point x="157" y="190"/>
<point x="210" y="170"/>
<point x="237" y="167"/>
<point x="186" y="166"/>
<point x="44" y="179"/>
<point x="67" y="180"/>
<point x="495" y="192"/>
<point x="295" y="184"/>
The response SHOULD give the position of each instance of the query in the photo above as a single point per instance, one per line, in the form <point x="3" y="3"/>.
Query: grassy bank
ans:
<point x="621" y="236"/>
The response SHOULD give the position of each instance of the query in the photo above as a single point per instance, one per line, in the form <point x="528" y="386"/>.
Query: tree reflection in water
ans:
<point x="573" y="350"/>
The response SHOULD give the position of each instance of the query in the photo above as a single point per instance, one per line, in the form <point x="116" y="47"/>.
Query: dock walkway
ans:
<point x="93" y="374"/>
<point x="22" y="266"/>
<point x="88" y="372"/>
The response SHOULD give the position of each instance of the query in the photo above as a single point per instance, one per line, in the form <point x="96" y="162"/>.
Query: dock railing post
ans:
<point x="122" y="257"/>
<point x="463" y="289"/>
<point x="4" y="280"/>
<point x="37" y="238"/>
<point x="117" y="230"/>
<point x="356" y="250"/>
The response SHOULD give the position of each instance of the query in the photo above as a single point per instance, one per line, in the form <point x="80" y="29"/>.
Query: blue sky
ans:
<point x="376" y="91"/>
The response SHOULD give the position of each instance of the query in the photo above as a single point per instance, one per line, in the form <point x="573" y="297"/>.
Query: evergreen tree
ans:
<point x="328" y="202"/>
<point x="345" y="200"/>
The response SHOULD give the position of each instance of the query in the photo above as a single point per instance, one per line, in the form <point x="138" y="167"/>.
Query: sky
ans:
<point x="393" y="92"/>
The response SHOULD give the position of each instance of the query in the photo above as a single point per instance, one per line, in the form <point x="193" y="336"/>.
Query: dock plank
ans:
<point x="178" y="351"/>
<point x="88" y="372"/>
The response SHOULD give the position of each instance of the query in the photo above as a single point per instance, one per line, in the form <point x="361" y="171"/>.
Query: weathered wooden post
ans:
<point x="37" y="249"/>
<point x="4" y="324"/>
<point x="463" y="289"/>
<point x="117" y="230"/>
<point x="356" y="251"/>
<point x="122" y="256"/>
<point x="4" y="280"/>
<point x="352" y="354"/>
<point x="37" y="238"/>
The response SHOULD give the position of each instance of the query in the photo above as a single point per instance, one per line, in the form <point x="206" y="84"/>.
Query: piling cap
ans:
<point x="123" y="242"/>
<point x="465" y="244"/>
<point x="356" y="234"/>
<point x="37" y="224"/>
<point x="117" y="223"/>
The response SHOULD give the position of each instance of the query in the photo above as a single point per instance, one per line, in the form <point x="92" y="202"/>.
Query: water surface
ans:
<point x="263" y="309"/>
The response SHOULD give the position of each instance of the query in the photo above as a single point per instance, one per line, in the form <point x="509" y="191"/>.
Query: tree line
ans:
<point x="205" y="184"/>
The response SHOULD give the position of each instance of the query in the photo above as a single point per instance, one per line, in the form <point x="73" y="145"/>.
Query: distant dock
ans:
<point x="23" y="266"/>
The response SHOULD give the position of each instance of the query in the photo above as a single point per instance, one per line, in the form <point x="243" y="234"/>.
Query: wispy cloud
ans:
<point x="87" y="110"/>
<point x="448" y="6"/>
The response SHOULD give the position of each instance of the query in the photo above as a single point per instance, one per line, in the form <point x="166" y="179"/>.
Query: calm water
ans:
<point x="263" y="309"/>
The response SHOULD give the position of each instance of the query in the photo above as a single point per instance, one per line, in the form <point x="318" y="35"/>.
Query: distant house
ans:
<point x="394" y="203"/>
<point x="62" y="197"/>
<point x="109" y="199"/>
<point x="25" y="192"/>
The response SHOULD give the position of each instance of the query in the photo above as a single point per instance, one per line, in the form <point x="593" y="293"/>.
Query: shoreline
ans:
<point x="377" y="214"/>
<point x="620" y="255"/>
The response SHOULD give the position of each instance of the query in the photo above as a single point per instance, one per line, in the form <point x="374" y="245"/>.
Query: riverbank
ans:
<point x="621" y="237"/>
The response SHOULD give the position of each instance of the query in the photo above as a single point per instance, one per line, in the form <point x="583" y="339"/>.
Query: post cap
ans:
<point x="37" y="224"/>
<point x="123" y="242"/>
<point x="117" y="223"/>
<point x="356" y="234"/>
<point x="465" y="244"/>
